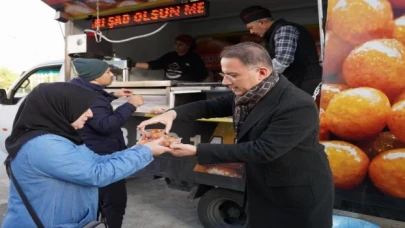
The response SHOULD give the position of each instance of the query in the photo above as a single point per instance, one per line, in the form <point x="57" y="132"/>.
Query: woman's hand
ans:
<point x="156" y="147"/>
<point x="165" y="118"/>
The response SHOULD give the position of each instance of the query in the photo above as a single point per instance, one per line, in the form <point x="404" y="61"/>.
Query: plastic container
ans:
<point x="340" y="221"/>
<point x="153" y="134"/>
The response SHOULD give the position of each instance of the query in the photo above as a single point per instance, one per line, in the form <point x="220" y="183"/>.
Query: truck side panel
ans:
<point x="362" y="105"/>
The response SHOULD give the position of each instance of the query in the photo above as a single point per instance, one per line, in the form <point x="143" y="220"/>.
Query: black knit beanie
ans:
<point x="254" y="13"/>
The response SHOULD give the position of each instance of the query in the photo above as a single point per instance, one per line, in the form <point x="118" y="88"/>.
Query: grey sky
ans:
<point x="29" y="35"/>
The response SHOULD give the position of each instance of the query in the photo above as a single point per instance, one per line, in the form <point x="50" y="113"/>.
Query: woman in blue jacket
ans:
<point x="59" y="175"/>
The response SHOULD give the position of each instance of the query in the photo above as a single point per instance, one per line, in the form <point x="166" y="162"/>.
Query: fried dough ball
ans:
<point x="329" y="91"/>
<point x="396" y="120"/>
<point x="356" y="114"/>
<point x="168" y="140"/>
<point x="158" y="133"/>
<point x="336" y="50"/>
<point x="387" y="171"/>
<point x="383" y="142"/>
<point x="349" y="164"/>
<point x="155" y="133"/>
<point x="358" y="21"/>
<point x="399" y="29"/>
<point x="378" y="64"/>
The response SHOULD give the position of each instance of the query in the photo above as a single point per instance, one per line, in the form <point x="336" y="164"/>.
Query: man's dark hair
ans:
<point x="249" y="53"/>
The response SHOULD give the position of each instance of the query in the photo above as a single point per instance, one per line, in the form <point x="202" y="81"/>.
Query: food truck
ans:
<point x="361" y="100"/>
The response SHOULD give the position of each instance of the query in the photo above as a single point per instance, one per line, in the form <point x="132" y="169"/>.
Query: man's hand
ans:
<point x="156" y="147"/>
<point x="123" y="93"/>
<point x="165" y="118"/>
<point x="182" y="150"/>
<point x="136" y="100"/>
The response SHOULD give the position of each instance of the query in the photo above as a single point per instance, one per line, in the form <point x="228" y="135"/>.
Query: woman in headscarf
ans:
<point x="59" y="175"/>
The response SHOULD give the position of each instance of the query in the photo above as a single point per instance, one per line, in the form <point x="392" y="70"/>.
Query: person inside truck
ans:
<point x="102" y="133"/>
<point x="57" y="172"/>
<point x="182" y="64"/>
<point x="291" y="47"/>
<point x="288" y="179"/>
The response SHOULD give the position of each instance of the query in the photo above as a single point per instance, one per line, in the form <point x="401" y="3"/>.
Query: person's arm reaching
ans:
<point x="105" y="119"/>
<point x="286" y="39"/>
<point x="142" y="65"/>
<point x="156" y="64"/>
<point x="217" y="107"/>
<point x="79" y="165"/>
<point x="287" y="129"/>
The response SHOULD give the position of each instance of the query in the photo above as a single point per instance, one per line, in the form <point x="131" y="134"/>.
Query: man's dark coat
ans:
<point x="289" y="181"/>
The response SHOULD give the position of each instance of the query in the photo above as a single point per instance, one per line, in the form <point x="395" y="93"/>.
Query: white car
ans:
<point x="11" y="99"/>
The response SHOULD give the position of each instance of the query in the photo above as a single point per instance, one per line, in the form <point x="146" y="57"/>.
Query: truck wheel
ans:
<point x="220" y="208"/>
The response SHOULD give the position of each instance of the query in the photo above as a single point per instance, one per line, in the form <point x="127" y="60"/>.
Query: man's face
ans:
<point x="257" y="28"/>
<point x="180" y="47"/>
<point x="106" y="79"/>
<point x="239" y="77"/>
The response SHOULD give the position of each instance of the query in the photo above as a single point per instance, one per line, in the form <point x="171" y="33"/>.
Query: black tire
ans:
<point x="220" y="208"/>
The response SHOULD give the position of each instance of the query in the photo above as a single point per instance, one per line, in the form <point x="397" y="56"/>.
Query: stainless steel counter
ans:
<point x="140" y="84"/>
<point x="165" y="94"/>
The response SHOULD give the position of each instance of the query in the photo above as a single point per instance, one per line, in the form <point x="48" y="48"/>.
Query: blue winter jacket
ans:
<point x="102" y="133"/>
<point x="61" y="180"/>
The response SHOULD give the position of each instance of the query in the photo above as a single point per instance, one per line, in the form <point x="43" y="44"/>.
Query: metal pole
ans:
<point x="70" y="29"/>
<point x="321" y="32"/>
<point x="68" y="32"/>
<point x="125" y="75"/>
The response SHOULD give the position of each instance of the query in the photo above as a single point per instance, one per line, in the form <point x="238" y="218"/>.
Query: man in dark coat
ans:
<point x="102" y="133"/>
<point x="289" y="181"/>
<point x="291" y="47"/>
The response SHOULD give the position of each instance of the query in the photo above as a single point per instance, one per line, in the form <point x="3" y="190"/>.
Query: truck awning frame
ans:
<point x="82" y="9"/>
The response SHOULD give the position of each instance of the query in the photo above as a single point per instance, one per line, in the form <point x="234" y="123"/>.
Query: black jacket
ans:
<point x="189" y="67"/>
<point x="289" y="181"/>
<point x="102" y="133"/>
<point x="305" y="71"/>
